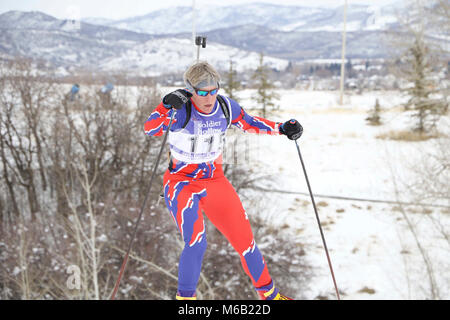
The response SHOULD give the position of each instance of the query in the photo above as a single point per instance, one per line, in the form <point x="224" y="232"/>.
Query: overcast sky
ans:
<point x="118" y="9"/>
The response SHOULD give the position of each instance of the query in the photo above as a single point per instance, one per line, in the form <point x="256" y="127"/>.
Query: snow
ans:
<point x="373" y="252"/>
<point x="16" y="271"/>
<point x="136" y="279"/>
<point x="102" y="238"/>
<point x="160" y="56"/>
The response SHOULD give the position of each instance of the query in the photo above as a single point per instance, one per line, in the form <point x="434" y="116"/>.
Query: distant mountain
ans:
<point x="161" y="41"/>
<point x="299" y="45"/>
<point x="72" y="44"/>
<point x="35" y="20"/>
<point x="98" y="21"/>
<point x="63" y="42"/>
<point x="276" y="17"/>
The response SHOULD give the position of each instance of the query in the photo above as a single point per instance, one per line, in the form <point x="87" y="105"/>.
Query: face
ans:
<point x="205" y="104"/>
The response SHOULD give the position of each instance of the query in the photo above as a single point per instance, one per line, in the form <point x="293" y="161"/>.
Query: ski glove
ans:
<point x="176" y="99"/>
<point x="292" y="129"/>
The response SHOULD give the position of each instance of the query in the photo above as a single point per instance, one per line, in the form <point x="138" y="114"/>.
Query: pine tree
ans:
<point x="426" y="108"/>
<point x="374" y="118"/>
<point x="265" y="95"/>
<point x="417" y="63"/>
<point x="232" y="85"/>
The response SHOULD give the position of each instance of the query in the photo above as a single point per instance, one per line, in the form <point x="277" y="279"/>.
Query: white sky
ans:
<point x="118" y="9"/>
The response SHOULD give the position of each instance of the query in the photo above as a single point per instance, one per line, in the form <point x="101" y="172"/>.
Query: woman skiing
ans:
<point x="195" y="183"/>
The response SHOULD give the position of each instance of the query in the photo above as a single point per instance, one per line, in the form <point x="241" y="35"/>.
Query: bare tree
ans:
<point x="24" y="97"/>
<point x="427" y="182"/>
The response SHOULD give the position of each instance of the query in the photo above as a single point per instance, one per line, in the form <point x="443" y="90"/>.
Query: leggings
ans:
<point x="187" y="199"/>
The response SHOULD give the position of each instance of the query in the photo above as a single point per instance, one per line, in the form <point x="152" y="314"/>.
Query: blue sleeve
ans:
<point x="248" y="123"/>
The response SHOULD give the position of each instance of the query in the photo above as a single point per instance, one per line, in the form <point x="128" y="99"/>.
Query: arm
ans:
<point x="239" y="118"/>
<point x="158" y="121"/>
<point x="248" y="123"/>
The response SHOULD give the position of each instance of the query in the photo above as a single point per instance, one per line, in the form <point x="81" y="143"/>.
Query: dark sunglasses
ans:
<point x="204" y="93"/>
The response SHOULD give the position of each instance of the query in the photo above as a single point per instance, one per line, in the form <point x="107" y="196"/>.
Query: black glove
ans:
<point x="176" y="99"/>
<point x="292" y="129"/>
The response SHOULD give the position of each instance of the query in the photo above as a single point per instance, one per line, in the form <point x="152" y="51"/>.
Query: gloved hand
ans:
<point x="176" y="99"/>
<point x="292" y="129"/>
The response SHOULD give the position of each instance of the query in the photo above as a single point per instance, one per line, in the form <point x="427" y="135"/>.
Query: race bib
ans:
<point x="201" y="141"/>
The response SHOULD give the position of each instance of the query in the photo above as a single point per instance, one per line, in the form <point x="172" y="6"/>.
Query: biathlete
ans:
<point x="195" y="182"/>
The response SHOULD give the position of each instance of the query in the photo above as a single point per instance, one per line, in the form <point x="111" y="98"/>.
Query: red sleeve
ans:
<point x="158" y="121"/>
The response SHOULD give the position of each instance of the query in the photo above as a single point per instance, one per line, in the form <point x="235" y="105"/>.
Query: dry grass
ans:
<point x="367" y="290"/>
<point x="405" y="135"/>
<point x="322" y="204"/>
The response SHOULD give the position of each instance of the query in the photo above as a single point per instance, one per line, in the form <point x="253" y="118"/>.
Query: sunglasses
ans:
<point x="204" y="93"/>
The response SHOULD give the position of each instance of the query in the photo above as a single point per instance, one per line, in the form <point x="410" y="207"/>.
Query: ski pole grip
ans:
<point x="293" y="129"/>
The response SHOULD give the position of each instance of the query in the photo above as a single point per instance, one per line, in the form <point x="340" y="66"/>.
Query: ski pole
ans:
<point x="318" y="221"/>
<point x="125" y="259"/>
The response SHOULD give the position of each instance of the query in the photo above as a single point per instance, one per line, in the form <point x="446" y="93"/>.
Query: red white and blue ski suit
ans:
<point x="195" y="183"/>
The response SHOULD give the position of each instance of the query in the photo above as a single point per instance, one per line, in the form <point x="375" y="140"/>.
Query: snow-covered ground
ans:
<point x="373" y="251"/>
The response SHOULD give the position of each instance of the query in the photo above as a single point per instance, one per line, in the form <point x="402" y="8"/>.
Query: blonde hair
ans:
<point x="201" y="74"/>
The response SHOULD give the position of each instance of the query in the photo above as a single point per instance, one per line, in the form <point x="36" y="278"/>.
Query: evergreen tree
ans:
<point x="374" y="118"/>
<point x="419" y="71"/>
<point x="265" y="95"/>
<point x="232" y="85"/>
<point x="418" y="64"/>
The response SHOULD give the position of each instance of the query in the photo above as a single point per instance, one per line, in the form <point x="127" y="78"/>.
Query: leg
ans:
<point x="183" y="201"/>
<point x="224" y="208"/>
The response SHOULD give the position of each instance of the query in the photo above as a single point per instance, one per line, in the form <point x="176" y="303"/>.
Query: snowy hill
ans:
<point x="72" y="44"/>
<point x="38" y="21"/>
<point x="284" y="32"/>
<point x="81" y="45"/>
<point x="374" y="251"/>
<point x="298" y="45"/>
<point x="171" y="55"/>
<point x="62" y="42"/>
<point x="278" y="17"/>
